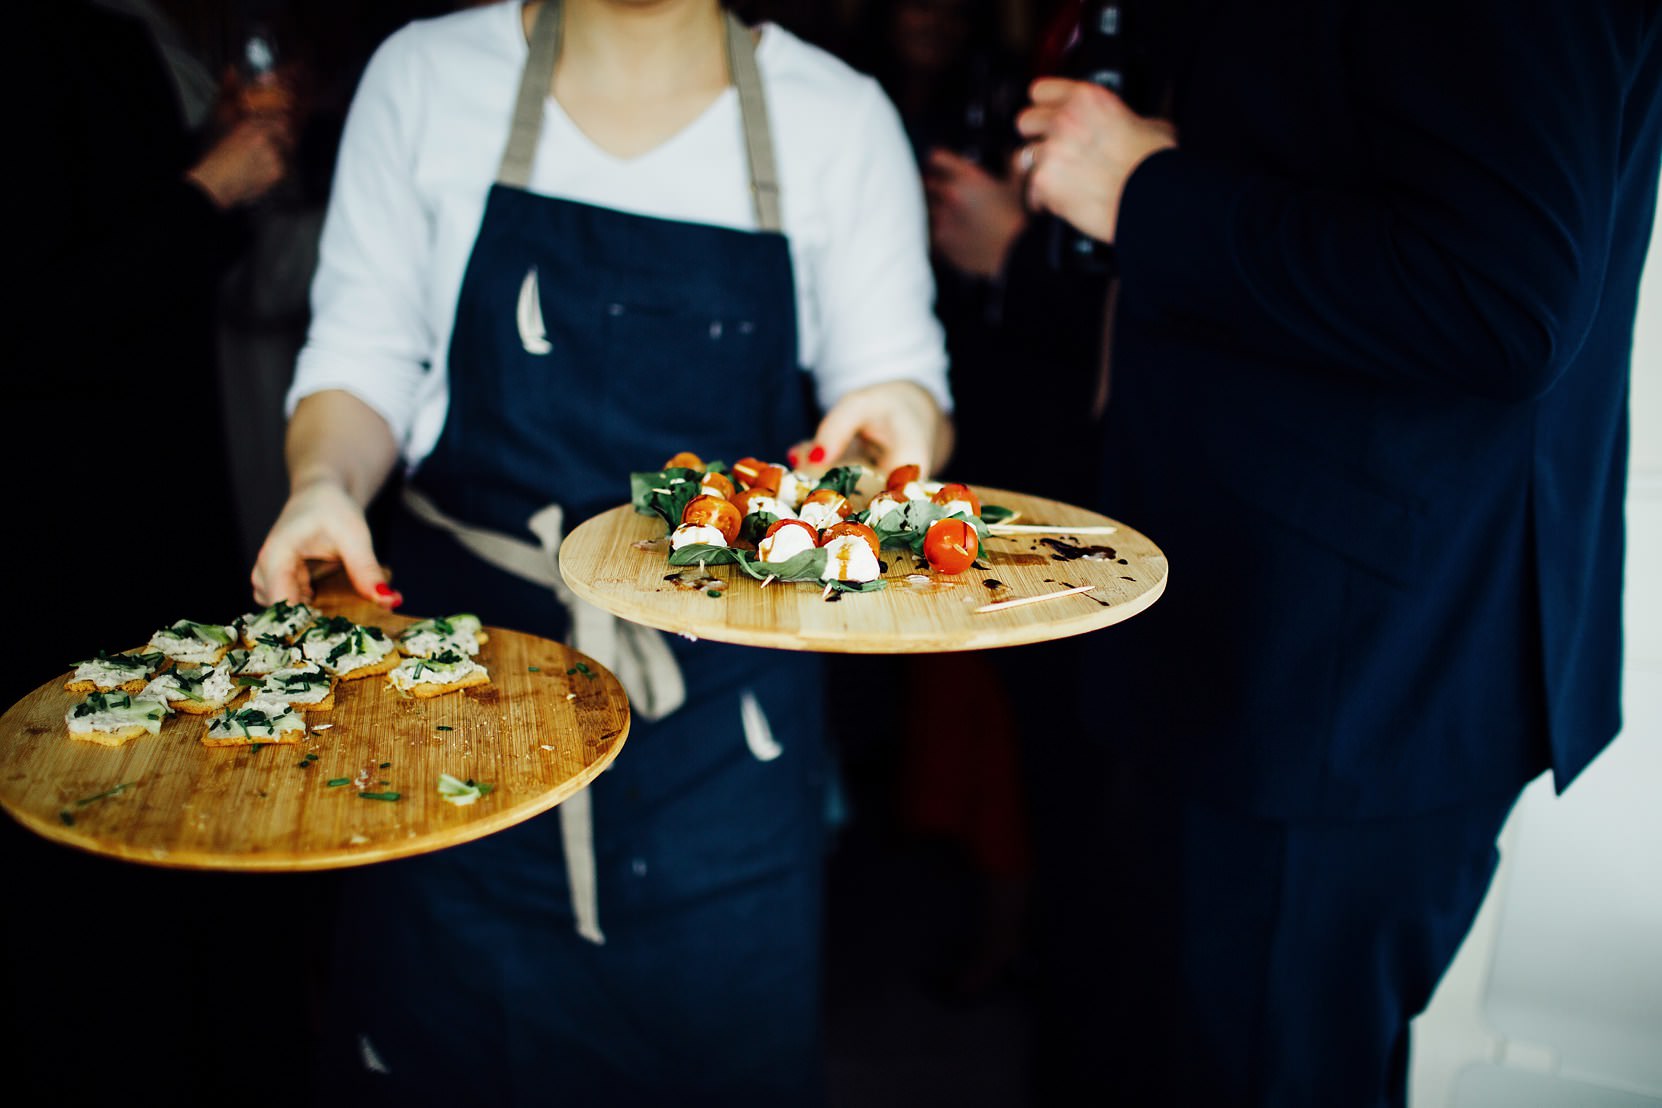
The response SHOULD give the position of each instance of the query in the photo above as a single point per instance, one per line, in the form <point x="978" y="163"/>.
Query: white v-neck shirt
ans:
<point x="421" y="148"/>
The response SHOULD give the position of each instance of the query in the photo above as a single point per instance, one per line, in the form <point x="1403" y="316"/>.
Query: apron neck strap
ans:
<point x="536" y="85"/>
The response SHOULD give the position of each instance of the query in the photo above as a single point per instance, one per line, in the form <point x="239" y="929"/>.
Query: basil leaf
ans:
<point x="755" y="526"/>
<point x="842" y="479"/>
<point x="665" y="493"/>
<point x="695" y="552"/>
<point x="995" y="513"/>
<point x="858" y="586"/>
<point x="806" y="566"/>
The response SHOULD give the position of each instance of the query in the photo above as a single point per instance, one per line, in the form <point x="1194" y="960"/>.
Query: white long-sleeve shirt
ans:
<point x="420" y="151"/>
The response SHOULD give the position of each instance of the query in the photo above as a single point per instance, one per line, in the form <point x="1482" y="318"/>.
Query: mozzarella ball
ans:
<point x="689" y="533"/>
<point x="785" y="544"/>
<point x="849" y="558"/>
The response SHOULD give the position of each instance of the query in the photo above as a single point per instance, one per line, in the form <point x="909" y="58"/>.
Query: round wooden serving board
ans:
<point x="536" y="733"/>
<point x="613" y="562"/>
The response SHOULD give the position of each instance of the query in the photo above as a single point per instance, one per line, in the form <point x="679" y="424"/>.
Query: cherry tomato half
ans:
<point x="949" y="493"/>
<point x="685" y="460"/>
<point x="950" y="545"/>
<point x="765" y="547"/>
<point x="717" y="484"/>
<point x="778" y="523"/>
<point x="849" y="527"/>
<point x="713" y="511"/>
<point x="746" y="470"/>
<point x="745" y="499"/>
<point x="832" y="498"/>
<point x="901" y="476"/>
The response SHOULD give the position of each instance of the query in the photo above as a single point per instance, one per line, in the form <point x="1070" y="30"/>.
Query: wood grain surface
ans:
<point x="619" y="561"/>
<point x="536" y="733"/>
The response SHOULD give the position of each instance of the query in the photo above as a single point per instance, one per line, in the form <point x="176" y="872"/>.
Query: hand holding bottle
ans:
<point x="1083" y="145"/>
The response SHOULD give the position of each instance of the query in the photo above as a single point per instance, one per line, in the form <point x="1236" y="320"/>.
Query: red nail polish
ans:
<point x="791" y="458"/>
<point x="383" y="589"/>
<point x="817" y="454"/>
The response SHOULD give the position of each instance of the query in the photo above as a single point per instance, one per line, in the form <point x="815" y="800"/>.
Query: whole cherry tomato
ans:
<point x="713" y="511"/>
<point x="901" y="476"/>
<point x="685" y="460"/>
<point x="849" y="527"/>
<point x="950" y="545"/>
<point x="769" y="478"/>
<point x="948" y="493"/>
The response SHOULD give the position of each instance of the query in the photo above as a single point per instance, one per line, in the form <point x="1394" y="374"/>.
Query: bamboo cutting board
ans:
<point x="619" y="561"/>
<point x="537" y="734"/>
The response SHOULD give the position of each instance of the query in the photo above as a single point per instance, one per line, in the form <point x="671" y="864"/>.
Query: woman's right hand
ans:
<point x="320" y="523"/>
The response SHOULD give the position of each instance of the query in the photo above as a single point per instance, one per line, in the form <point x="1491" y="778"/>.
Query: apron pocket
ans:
<point x="703" y="380"/>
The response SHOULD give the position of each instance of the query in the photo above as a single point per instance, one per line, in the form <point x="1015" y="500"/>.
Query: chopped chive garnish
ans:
<point x="445" y="727"/>
<point x="68" y="820"/>
<point x="713" y="592"/>
<point x="334" y="781"/>
<point x="583" y="668"/>
<point x="378" y="796"/>
<point x="107" y="792"/>
<point x="386" y="765"/>
<point x="533" y="669"/>
<point x="311" y="757"/>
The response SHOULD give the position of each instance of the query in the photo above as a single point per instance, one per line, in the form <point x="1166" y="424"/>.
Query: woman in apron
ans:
<point x="657" y="258"/>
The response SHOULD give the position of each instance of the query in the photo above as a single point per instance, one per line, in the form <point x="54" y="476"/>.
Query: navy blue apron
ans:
<point x="589" y="343"/>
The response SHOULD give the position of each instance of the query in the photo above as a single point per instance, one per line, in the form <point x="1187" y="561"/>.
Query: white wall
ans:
<point x="1555" y="1001"/>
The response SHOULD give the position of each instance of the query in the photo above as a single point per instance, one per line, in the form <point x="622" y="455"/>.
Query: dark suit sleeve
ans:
<point x="1472" y="253"/>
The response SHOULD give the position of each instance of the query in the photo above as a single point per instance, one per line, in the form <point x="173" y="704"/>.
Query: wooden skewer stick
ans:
<point x="771" y="578"/>
<point x="999" y="605"/>
<point x="1035" y="529"/>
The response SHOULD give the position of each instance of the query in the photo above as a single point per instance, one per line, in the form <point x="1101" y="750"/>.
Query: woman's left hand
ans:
<point x="895" y="423"/>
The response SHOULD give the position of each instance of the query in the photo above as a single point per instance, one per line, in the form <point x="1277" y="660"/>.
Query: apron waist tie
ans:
<point x="637" y="655"/>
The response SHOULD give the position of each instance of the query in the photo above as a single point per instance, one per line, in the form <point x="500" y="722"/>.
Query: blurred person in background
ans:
<point x="139" y="167"/>
<point x="132" y="220"/>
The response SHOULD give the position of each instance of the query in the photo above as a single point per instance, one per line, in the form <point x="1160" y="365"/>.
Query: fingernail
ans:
<point x="791" y="456"/>
<point x="384" y="589"/>
<point x="817" y="454"/>
<point x="397" y="599"/>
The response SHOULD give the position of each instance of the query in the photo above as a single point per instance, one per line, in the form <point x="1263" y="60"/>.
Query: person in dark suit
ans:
<point x="1370" y="371"/>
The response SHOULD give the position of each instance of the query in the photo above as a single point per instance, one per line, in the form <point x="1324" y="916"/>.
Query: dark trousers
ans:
<point x="1195" y="956"/>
